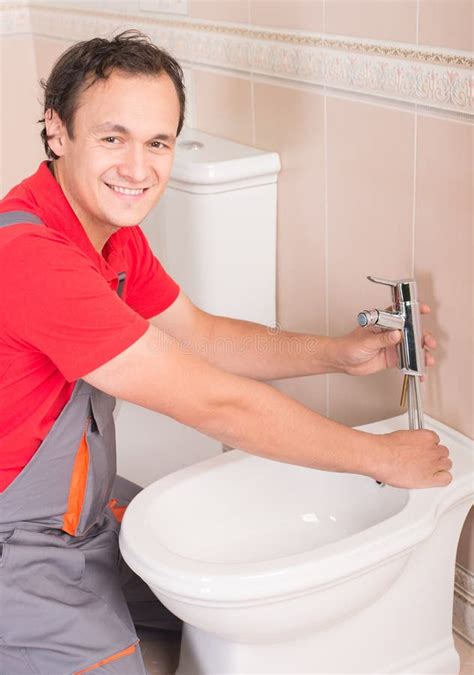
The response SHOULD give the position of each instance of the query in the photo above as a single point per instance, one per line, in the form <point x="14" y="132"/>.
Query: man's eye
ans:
<point x="158" y="144"/>
<point x="110" y="139"/>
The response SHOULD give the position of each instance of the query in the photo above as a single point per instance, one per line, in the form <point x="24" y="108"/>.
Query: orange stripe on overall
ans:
<point x="77" y="487"/>
<point x="109" y="659"/>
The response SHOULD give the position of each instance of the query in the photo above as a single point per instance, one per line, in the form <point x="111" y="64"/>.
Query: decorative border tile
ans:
<point x="167" y="6"/>
<point x="464" y="580"/>
<point x="15" y="20"/>
<point x="442" y="80"/>
<point x="463" y="611"/>
<point x="463" y="618"/>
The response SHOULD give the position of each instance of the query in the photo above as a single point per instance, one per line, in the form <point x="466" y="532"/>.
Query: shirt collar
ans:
<point x="57" y="213"/>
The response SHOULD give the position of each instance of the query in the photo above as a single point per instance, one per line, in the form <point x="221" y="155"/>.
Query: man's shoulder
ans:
<point x="19" y="206"/>
<point x="17" y="210"/>
<point x="27" y="240"/>
<point x="19" y="218"/>
<point x="24" y="191"/>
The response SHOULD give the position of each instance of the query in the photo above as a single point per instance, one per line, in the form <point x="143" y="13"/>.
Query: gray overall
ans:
<point x="63" y="583"/>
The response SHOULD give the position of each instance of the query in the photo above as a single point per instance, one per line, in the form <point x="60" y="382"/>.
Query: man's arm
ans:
<point x="263" y="353"/>
<point x="155" y="373"/>
<point x="243" y="347"/>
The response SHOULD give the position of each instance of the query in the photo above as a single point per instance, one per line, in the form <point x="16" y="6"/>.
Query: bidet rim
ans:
<point x="196" y="580"/>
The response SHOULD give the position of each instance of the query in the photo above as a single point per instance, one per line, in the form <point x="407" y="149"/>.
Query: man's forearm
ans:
<point x="261" y="352"/>
<point x="265" y="422"/>
<point x="241" y="412"/>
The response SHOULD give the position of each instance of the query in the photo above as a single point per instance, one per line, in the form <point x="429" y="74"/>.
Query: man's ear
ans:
<point x="56" y="132"/>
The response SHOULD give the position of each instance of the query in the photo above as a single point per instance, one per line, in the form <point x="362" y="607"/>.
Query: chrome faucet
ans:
<point x="404" y="316"/>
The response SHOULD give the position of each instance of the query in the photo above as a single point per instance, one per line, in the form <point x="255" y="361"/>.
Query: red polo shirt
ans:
<point x="60" y="315"/>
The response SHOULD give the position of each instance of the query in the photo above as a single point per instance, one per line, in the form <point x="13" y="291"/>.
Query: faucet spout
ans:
<point x="375" y="317"/>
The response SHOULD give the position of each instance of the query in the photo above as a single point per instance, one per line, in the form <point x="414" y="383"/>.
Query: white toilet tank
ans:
<point x="214" y="231"/>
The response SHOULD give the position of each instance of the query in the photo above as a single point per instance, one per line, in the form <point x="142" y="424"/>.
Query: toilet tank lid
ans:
<point x="202" y="160"/>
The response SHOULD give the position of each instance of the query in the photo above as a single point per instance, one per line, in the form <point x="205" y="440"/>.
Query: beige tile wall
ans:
<point x="440" y="23"/>
<point x="444" y="261"/>
<point x="228" y="94"/>
<point x="370" y="210"/>
<point x="19" y="133"/>
<point x="447" y="23"/>
<point x="295" y="130"/>
<point x="393" y="20"/>
<point x="288" y="15"/>
<point x="25" y="61"/>
<point x="235" y="11"/>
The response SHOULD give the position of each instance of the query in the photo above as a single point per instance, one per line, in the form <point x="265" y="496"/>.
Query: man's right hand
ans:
<point x="413" y="459"/>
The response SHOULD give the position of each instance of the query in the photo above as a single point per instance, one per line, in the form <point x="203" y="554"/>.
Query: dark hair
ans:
<point x="86" y="62"/>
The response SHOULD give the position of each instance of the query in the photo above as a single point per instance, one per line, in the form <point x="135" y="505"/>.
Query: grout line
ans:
<point x="415" y="155"/>
<point x="252" y="84"/>
<point x="190" y="114"/>
<point x="219" y="70"/>
<point x="252" y="103"/>
<point x="326" y="236"/>
<point x="194" y="96"/>
<point x="417" y="22"/>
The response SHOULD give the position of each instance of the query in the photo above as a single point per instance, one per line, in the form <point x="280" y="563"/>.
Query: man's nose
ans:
<point x="133" y="166"/>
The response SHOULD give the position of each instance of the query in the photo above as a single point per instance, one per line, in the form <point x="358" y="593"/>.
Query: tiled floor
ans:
<point x="161" y="652"/>
<point x="466" y="654"/>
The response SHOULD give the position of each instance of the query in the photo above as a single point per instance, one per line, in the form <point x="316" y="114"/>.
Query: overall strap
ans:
<point x="14" y="217"/>
<point x="121" y="276"/>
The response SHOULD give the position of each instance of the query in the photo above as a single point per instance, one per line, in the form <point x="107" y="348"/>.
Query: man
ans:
<point x="88" y="314"/>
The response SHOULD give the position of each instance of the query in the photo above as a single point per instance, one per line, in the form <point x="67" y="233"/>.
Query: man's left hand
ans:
<point x="368" y="350"/>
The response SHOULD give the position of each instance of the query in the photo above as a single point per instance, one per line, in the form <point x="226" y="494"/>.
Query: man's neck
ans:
<point x="97" y="239"/>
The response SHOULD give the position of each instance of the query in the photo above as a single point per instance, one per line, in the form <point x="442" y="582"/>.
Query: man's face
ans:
<point x="116" y="167"/>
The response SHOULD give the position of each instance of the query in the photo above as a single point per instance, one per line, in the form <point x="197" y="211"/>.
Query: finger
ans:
<point x="373" y="329"/>
<point x="384" y="338"/>
<point x="429" y="435"/>
<point x="445" y="464"/>
<point x="442" y="478"/>
<point x="429" y="340"/>
<point x="443" y="450"/>
<point x="425" y="309"/>
<point x="429" y="359"/>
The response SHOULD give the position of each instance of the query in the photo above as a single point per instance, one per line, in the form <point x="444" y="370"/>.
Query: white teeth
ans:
<point x="126" y="191"/>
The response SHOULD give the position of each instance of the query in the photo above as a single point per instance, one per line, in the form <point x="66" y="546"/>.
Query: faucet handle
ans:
<point x="384" y="282"/>
<point x="403" y="290"/>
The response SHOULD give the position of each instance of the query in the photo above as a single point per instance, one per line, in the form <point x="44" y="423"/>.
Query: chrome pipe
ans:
<point x="415" y="403"/>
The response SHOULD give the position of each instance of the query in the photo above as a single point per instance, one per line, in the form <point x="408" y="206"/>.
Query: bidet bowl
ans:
<point x="225" y="542"/>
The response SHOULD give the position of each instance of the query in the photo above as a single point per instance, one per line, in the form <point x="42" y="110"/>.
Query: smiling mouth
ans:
<point x="127" y="191"/>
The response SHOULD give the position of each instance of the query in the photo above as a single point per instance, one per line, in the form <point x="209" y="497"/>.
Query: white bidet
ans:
<point x="276" y="568"/>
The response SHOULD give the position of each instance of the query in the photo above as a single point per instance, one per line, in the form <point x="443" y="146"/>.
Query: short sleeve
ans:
<point x="55" y="301"/>
<point x="150" y="290"/>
